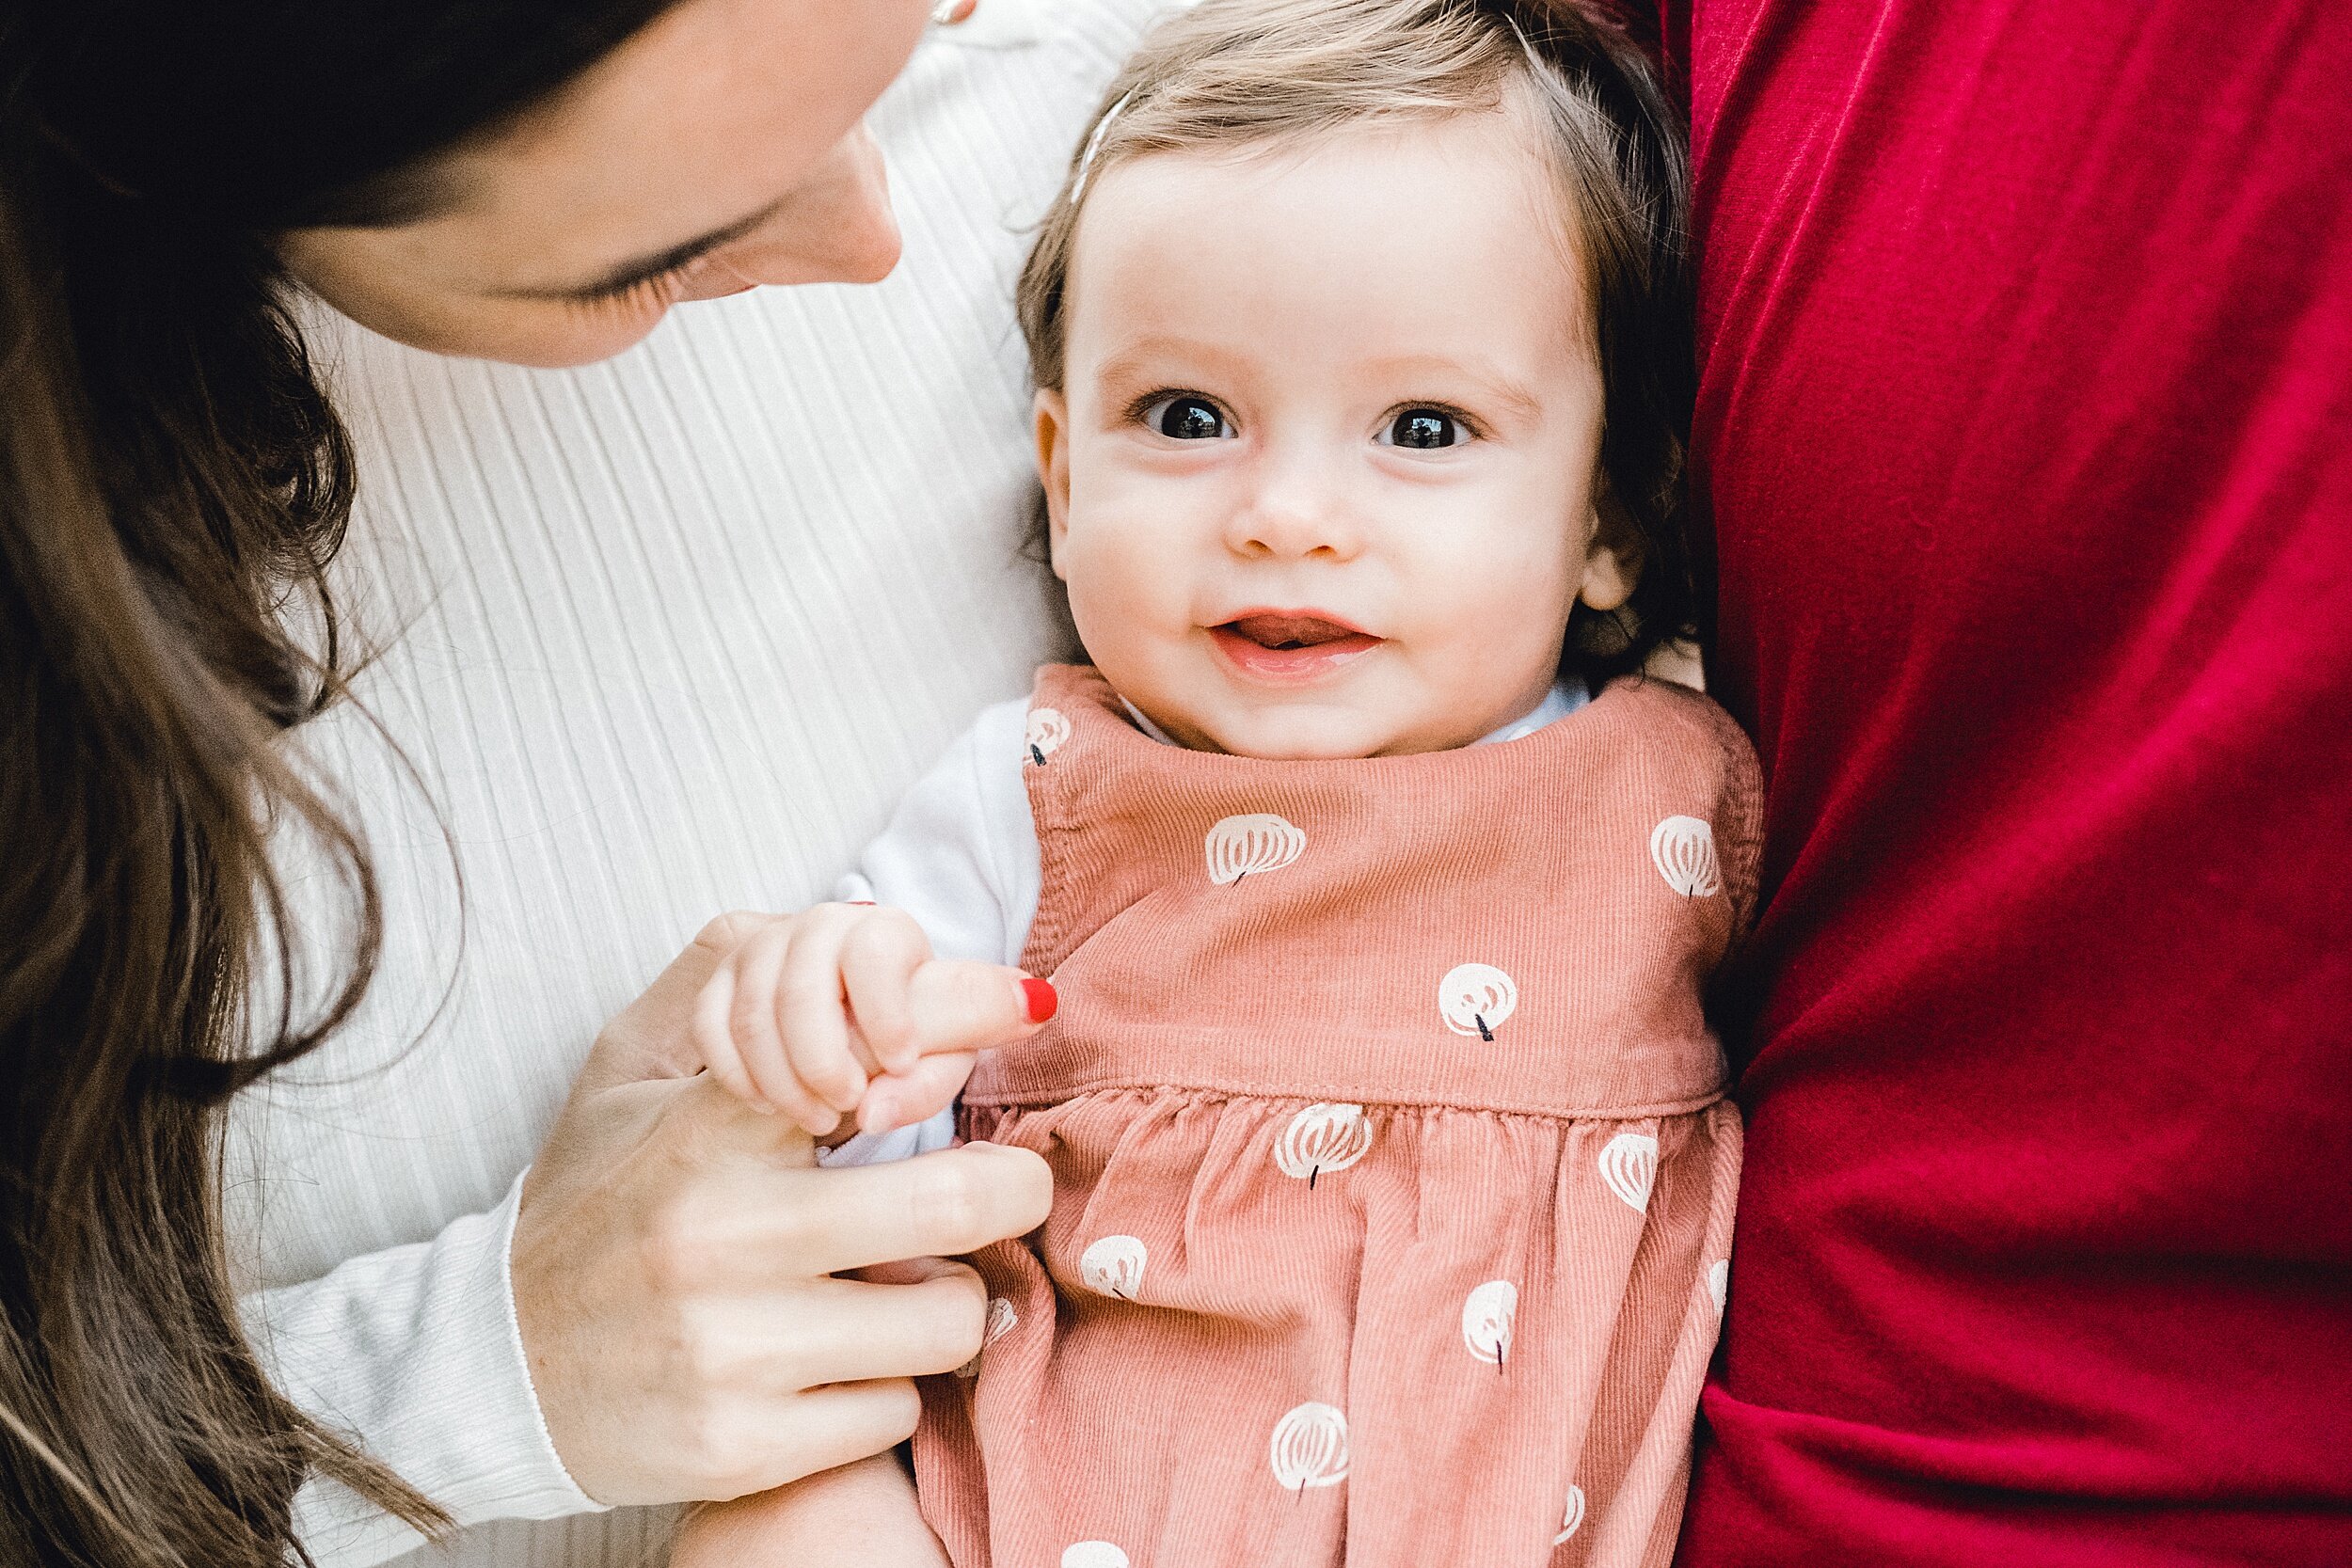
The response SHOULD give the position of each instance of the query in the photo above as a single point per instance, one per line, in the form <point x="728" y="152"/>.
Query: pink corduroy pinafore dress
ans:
<point x="1393" y="1179"/>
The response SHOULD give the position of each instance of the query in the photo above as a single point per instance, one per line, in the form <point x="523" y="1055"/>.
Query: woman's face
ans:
<point x="720" y="149"/>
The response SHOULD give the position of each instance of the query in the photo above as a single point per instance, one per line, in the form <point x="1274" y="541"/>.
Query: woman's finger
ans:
<point x="818" y="1431"/>
<point x="849" y="1330"/>
<point x="959" y="1006"/>
<point x="830" y="1219"/>
<point x="650" y="1038"/>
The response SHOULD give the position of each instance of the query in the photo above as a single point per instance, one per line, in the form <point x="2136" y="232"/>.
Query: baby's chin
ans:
<point x="1304" y="729"/>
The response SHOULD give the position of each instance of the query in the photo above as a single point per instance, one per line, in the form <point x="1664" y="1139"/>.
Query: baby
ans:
<point x="1378" y="885"/>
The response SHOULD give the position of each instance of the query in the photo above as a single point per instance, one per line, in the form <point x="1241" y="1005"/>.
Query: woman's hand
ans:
<point x="673" y="1256"/>
<point x="841" y="1009"/>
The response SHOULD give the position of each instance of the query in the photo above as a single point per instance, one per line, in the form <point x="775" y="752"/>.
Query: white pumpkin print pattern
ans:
<point x="1683" y="849"/>
<point x="1239" y="847"/>
<point x="1628" y="1163"/>
<point x="1475" y="999"/>
<point x="1113" y="1266"/>
<point x="1047" y="730"/>
<point x="1308" y="1448"/>
<point x="1323" y="1138"/>
<point x="1488" y="1314"/>
<point x="1573" y="1519"/>
<point x="1093" y="1553"/>
<point x="1001" y="1319"/>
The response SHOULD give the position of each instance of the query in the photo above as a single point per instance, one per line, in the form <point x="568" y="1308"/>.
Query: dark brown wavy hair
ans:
<point x="1238" y="74"/>
<point x="172" y="484"/>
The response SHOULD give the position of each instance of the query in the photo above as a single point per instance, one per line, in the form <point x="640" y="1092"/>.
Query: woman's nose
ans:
<point x="838" y="227"/>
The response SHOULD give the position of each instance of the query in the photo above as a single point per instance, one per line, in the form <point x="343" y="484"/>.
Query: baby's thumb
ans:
<point x="902" y="1099"/>
<point x="959" y="1006"/>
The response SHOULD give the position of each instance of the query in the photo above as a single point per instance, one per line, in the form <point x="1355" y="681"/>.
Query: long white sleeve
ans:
<point x="658" y="638"/>
<point x="330" y="1345"/>
<point x="960" y="856"/>
<point x="960" y="851"/>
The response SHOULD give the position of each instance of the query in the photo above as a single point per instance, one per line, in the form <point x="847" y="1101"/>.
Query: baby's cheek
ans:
<point x="1109" y="610"/>
<point x="1121" y="585"/>
<point x="1502" y="632"/>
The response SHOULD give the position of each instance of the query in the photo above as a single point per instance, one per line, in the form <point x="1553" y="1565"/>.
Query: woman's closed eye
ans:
<point x="1183" y="417"/>
<point x="659" y="288"/>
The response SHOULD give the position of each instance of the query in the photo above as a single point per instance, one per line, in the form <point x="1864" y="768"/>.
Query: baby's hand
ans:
<point x="842" y="1008"/>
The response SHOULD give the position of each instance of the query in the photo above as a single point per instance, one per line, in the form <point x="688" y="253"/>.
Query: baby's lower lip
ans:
<point x="1290" y="666"/>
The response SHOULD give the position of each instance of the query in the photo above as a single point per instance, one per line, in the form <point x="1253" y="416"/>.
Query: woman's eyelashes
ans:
<point x="659" y="288"/>
<point x="1183" y="417"/>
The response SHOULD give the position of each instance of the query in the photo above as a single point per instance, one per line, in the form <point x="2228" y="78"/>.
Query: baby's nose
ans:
<point x="1293" y="522"/>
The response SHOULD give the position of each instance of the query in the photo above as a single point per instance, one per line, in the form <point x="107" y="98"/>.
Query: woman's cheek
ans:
<point x="547" y="334"/>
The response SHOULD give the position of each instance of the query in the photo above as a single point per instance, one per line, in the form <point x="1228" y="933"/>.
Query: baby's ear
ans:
<point x="1613" y="552"/>
<point x="1051" y="412"/>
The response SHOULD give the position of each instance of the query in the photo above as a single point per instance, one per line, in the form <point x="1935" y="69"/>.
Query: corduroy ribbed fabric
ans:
<point x="1393" y="1177"/>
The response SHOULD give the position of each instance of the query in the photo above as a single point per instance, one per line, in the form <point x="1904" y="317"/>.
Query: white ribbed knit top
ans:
<point x="663" y="637"/>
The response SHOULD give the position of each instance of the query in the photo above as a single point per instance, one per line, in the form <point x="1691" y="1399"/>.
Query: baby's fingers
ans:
<point x="880" y="954"/>
<point x="762" y="968"/>
<point x="812" y="1010"/>
<point x="918" y="1094"/>
<point x="715" y="1041"/>
<point x="727" y="1018"/>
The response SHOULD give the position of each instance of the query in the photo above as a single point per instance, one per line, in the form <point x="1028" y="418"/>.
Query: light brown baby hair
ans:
<point x="1247" y="74"/>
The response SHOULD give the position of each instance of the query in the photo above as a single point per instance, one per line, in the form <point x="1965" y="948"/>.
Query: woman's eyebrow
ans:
<point x="624" y="275"/>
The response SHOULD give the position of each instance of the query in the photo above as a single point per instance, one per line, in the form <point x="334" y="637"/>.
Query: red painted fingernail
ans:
<point x="1038" y="995"/>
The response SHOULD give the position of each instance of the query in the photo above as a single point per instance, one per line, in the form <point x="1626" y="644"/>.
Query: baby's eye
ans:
<point x="1187" y="417"/>
<point x="1424" y="429"/>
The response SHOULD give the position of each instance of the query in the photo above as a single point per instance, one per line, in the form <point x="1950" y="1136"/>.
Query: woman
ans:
<point x="533" y="182"/>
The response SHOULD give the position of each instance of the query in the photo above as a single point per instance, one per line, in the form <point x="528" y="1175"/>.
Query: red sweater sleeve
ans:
<point x="2025" y="434"/>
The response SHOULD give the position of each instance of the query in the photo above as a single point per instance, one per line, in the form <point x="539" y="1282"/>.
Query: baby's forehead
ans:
<point x="1507" y="137"/>
<point x="1403" y="237"/>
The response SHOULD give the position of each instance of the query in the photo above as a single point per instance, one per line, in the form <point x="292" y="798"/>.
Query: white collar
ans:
<point x="1564" y="698"/>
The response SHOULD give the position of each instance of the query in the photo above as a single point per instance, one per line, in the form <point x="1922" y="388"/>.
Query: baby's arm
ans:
<point x="863" y="1513"/>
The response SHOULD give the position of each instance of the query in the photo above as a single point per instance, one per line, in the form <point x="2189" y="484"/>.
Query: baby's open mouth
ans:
<point x="1288" y="633"/>
<point x="1290" y="648"/>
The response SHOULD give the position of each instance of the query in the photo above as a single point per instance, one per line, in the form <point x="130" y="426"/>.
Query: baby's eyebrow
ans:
<point x="1153" y="357"/>
<point x="1493" y="385"/>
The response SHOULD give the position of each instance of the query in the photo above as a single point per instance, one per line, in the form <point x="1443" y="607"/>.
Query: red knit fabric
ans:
<point x="2025" y="336"/>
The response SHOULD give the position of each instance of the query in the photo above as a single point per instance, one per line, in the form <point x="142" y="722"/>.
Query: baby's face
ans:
<point x="1320" y="475"/>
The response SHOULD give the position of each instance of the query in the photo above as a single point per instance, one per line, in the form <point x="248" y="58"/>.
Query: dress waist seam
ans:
<point x="1047" y="1095"/>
